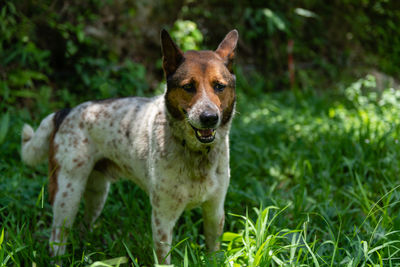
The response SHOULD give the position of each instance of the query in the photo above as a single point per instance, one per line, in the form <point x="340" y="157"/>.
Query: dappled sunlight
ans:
<point x="343" y="159"/>
<point x="314" y="143"/>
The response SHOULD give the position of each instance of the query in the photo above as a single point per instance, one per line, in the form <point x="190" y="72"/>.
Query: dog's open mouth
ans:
<point x="204" y="135"/>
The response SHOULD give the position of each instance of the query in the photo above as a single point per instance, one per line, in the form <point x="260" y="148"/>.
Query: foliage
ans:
<point x="56" y="60"/>
<point x="324" y="165"/>
<point x="187" y="35"/>
<point x="103" y="49"/>
<point x="328" y="37"/>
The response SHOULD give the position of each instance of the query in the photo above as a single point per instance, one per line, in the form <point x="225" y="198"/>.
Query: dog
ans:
<point x="174" y="146"/>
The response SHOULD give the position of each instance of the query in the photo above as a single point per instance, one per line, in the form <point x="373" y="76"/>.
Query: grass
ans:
<point x="315" y="182"/>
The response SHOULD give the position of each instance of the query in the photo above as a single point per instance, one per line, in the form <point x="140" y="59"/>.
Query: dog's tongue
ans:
<point x="206" y="132"/>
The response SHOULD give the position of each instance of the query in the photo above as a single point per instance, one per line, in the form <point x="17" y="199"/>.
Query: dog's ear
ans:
<point x="226" y="48"/>
<point x="172" y="55"/>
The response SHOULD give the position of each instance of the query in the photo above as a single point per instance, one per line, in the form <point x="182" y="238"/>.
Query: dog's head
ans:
<point x="200" y="86"/>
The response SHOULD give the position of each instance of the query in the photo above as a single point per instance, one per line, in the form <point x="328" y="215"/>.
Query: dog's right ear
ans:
<point x="172" y="55"/>
<point x="226" y="48"/>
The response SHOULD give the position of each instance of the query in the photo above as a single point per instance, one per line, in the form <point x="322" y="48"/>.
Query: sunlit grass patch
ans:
<point x="325" y="164"/>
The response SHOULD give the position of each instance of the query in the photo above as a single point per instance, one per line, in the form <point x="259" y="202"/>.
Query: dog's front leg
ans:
<point x="163" y="219"/>
<point x="213" y="217"/>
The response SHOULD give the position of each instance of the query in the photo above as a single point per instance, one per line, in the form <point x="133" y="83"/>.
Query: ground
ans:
<point x="314" y="182"/>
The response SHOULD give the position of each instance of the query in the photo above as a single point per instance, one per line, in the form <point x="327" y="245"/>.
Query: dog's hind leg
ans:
<point x="95" y="196"/>
<point x="65" y="206"/>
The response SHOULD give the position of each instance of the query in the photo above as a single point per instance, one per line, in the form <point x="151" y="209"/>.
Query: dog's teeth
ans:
<point x="199" y="133"/>
<point x="213" y="133"/>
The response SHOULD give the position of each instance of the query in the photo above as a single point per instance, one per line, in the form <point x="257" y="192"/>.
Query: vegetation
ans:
<point x="314" y="169"/>
<point x="321" y="170"/>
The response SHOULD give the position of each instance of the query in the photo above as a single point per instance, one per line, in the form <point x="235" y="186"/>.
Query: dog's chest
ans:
<point x="186" y="182"/>
<point x="185" y="192"/>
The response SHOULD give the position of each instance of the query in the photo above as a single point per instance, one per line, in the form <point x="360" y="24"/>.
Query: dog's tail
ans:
<point x="35" y="145"/>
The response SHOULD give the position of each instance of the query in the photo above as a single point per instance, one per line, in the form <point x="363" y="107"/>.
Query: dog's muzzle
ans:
<point x="204" y="135"/>
<point x="209" y="123"/>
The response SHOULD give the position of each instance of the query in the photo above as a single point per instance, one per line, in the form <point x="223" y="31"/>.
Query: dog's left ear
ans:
<point x="226" y="48"/>
<point x="172" y="55"/>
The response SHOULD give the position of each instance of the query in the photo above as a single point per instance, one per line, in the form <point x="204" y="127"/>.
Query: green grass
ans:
<point x="315" y="182"/>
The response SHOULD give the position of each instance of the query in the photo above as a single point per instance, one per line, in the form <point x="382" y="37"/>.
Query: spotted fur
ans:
<point x="151" y="141"/>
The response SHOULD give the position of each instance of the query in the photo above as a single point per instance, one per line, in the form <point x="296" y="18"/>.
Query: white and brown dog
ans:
<point x="174" y="146"/>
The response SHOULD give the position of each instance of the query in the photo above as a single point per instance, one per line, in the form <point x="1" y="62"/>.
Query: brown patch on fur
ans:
<point x="59" y="118"/>
<point x="105" y="114"/>
<point x="143" y="150"/>
<point x="178" y="101"/>
<point x="157" y="221"/>
<point x="65" y="194"/>
<point x="53" y="170"/>
<point x="203" y="69"/>
<point x="164" y="237"/>
<point x="81" y="125"/>
<point x="227" y="105"/>
<point x="68" y="185"/>
<point x="156" y="200"/>
<point x="80" y="164"/>
<point x="54" y="167"/>
<point x="26" y="138"/>
<point x="62" y="205"/>
<point x="221" y="223"/>
<point x="160" y="252"/>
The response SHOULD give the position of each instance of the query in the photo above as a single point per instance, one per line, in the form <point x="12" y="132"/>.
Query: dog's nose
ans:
<point x="208" y="119"/>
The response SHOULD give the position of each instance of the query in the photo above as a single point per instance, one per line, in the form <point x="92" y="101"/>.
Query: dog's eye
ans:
<point x="190" y="88"/>
<point x="219" y="87"/>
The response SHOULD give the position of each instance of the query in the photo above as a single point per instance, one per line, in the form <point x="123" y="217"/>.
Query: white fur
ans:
<point x="203" y="103"/>
<point x="35" y="145"/>
<point x="141" y="142"/>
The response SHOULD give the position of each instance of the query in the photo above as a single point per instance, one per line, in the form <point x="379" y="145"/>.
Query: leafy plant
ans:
<point x="187" y="35"/>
